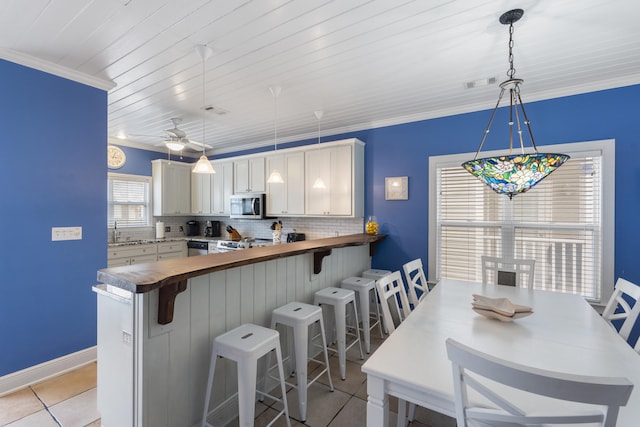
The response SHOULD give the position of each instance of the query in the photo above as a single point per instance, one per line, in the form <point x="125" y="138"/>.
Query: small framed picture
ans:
<point x="396" y="188"/>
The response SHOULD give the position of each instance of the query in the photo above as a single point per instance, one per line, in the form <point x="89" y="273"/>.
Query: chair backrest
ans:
<point x="415" y="279"/>
<point x="609" y="392"/>
<point x="623" y="294"/>
<point x="391" y="289"/>
<point x="512" y="272"/>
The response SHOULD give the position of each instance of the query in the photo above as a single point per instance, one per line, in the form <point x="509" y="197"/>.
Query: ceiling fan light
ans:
<point x="275" y="177"/>
<point x="203" y="166"/>
<point x="174" y="145"/>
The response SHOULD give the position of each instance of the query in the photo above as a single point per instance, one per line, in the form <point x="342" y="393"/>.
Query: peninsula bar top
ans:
<point x="141" y="278"/>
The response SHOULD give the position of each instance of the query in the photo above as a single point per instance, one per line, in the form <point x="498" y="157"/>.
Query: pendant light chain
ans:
<point x="512" y="71"/>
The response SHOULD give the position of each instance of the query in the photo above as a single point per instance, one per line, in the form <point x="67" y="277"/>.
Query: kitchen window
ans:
<point x="129" y="200"/>
<point x="565" y="222"/>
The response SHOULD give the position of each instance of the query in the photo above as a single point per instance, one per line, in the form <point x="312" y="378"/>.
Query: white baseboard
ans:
<point x="35" y="374"/>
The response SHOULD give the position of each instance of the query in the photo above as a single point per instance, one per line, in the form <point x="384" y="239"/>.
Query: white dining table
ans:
<point x="563" y="334"/>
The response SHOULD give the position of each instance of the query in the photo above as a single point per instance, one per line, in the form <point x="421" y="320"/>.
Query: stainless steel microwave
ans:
<point x="248" y="206"/>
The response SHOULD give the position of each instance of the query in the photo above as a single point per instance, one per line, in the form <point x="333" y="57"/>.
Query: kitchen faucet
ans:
<point x="116" y="233"/>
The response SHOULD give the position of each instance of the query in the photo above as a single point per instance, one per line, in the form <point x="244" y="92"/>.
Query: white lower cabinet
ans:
<point x="286" y="198"/>
<point x="169" y="250"/>
<point x="129" y="255"/>
<point x="138" y="254"/>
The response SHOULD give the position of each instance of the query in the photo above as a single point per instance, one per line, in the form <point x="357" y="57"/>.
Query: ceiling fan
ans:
<point x="178" y="140"/>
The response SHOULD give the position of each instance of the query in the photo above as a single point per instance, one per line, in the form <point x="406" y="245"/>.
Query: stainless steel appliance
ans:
<point x="248" y="206"/>
<point x="233" y="245"/>
<point x="212" y="229"/>
<point x="196" y="247"/>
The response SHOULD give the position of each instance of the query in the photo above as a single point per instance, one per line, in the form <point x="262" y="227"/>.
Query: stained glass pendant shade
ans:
<point x="513" y="173"/>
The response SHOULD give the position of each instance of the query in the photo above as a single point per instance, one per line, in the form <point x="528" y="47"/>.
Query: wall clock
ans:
<point x="115" y="157"/>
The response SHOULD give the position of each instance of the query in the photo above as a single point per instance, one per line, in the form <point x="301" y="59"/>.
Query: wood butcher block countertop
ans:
<point x="141" y="278"/>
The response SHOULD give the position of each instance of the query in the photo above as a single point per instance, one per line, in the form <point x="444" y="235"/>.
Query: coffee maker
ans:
<point x="212" y="229"/>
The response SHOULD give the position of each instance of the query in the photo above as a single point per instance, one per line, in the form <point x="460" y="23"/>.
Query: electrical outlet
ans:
<point x="167" y="229"/>
<point x="181" y="228"/>
<point x="66" y="233"/>
<point x="126" y="337"/>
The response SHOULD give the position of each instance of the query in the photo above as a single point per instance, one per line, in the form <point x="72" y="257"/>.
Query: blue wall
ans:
<point x="53" y="175"/>
<point x="47" y="308"/>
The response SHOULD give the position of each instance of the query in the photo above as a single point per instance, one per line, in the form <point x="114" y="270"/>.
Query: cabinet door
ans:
<point x="334" y="167"/>
<point x="286" y="198"/>
<point x="248" y="175"/>
<point x="341" y="185"/>
<point x="171" y="188"/>
<point x="276" y="193"/>
<point x="222" y="186"/>
<point x="318" y="166"/>
<point x="241" y="176"/>
<point x="256" y="175"/>
<point x="201" y="192"/>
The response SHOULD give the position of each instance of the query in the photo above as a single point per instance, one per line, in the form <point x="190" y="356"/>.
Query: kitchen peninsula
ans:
<point x="156" y="321"/>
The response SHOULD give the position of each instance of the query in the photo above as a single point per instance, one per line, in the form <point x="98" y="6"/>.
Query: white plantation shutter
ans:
<point x="128" y="200"/>
<point x="559" y="223"/>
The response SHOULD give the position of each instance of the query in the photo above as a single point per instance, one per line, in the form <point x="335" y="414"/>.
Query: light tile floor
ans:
<point x="69" y="400"/>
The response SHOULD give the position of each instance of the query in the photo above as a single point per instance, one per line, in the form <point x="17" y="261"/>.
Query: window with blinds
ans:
<point x="129" y="200"/>
<point x="559" y="223"/>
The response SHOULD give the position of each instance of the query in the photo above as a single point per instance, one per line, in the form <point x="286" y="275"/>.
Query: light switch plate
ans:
<point x="66" y="233"/>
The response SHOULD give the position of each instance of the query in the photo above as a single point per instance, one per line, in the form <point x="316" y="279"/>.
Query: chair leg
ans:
<point x="248" y="371"/>
<point x="282" y="387"/>
<point x="212" y="369"/>
<point x="300" y="339"/>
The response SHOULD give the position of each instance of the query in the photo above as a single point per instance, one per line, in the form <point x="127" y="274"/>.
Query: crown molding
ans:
<point x="55" y="69"/>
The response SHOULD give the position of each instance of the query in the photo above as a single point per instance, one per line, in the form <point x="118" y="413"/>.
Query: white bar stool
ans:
<point x="376" y="274"/>
<point x="300" y="316"/>
<point x="245" y="345"/>
<point x="363" y="288"/>
<point x="339" y="298"/>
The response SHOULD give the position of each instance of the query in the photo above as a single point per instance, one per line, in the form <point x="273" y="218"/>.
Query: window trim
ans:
<point x="604" y="147"/>
<point x="138" y="178"/>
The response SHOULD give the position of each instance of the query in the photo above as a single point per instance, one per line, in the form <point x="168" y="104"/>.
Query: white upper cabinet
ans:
<point x="249" y="175"/>
<point x="286" y="198"/>
<point x="201" y="193"/>
<point x="171" y="188"/>
<point x="222" y="188"/>
<point x="341" y="169"/>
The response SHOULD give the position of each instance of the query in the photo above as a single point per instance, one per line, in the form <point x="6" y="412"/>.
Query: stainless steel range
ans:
<point x="234" y="245"/>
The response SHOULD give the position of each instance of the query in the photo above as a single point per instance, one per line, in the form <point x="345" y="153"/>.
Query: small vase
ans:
<point x="277" y="237"/>
<point x="371" y="226"/>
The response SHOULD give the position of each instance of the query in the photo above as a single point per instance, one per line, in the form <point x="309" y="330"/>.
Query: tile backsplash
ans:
<point x="314" y="228"/>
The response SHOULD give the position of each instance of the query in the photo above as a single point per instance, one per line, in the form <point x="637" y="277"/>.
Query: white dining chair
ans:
<point x="609" y="393"/>
<point x="511" y="272"/>
<point x="619" y="307"/>
<point x="416" y="280"/>
<point x="393" y="296"/>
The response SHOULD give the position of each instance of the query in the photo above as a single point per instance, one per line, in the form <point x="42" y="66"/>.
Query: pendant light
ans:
<point x="318" y="183"/>
<point x="515" y="173"/>
<point x="275" y="177"/>
<point x="203" y="165"/>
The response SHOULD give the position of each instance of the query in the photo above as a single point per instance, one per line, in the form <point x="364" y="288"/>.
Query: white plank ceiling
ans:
<point x="365" y="63"/>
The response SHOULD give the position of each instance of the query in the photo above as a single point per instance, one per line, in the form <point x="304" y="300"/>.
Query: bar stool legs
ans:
<point x="300" y="317"/>
<point x="364" y="287"/>
<point x="245" y="345"/>
<point x="339" y="298"/>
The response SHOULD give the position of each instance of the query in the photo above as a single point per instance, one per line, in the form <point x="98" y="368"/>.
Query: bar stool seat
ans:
<point x="339" y="298"/>
<point x="300" y="316"/>
<point x="245" y="345"/>
<point x="363" y="288"/>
